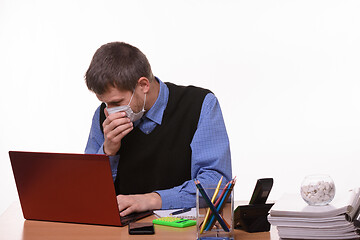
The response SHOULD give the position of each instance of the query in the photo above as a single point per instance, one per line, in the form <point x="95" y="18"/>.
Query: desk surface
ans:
<point x="14" y="226"/>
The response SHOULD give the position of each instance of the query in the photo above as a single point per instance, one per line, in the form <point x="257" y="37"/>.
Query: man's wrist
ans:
<point x="155" y="200"/>
<point x="107" y="153"/>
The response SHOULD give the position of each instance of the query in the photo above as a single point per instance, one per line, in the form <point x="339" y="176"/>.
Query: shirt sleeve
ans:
<point x="95" y="144"/>
<point x="210" y="158"/>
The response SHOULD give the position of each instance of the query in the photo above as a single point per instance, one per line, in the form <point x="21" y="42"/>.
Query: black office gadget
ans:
<point x="141" y="228"/>
<point x="262" y="190"/>
<point x="253" y="217"/>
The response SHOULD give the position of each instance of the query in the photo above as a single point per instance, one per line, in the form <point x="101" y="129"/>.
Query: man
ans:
<point x="158" y="136"/>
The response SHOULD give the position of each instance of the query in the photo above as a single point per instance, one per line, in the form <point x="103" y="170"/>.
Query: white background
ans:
<point x="286" y="74"/>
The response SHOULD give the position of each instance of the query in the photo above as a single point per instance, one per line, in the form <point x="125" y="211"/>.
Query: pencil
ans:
<point x="209" y="203"/>
<point x="212" y="200"/>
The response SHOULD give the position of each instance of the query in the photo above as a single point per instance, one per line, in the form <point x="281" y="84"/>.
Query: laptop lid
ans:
<point x="64" y="187"/>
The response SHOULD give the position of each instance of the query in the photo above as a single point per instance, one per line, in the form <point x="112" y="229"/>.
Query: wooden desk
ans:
<point x="14" y="227"/>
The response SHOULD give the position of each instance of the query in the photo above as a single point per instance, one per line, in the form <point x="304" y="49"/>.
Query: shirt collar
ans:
<point x="156" y="112"/>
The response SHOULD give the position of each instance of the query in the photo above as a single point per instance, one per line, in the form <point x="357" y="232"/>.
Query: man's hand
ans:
<point x="138" y="203"/>
<point x="116" y="126"/>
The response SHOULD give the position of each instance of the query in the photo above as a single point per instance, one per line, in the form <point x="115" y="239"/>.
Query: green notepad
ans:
<point x="174" y="222"/>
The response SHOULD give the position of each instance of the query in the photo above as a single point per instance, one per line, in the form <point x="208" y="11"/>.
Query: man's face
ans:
<point x="115" y="97"/>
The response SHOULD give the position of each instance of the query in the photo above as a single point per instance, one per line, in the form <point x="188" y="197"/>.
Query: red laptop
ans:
<point x="64" y="187"/>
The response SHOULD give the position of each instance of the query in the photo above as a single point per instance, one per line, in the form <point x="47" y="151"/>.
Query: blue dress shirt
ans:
<point x="210" y="147"/>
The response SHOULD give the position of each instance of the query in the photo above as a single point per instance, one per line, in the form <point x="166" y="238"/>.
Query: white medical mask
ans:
<point x="127" y="109"/>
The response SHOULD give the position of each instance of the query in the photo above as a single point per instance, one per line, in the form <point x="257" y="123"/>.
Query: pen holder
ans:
<point x="253" y="217"/>
<point x="207" y="224"/>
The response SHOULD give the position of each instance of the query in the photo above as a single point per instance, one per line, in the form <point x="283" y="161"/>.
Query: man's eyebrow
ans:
<point x="116" y="101"/>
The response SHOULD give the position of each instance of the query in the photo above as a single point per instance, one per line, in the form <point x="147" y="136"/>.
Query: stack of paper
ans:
<point x="295" y="219"/>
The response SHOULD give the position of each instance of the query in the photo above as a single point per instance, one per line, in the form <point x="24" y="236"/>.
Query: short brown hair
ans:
<point x="117" y="64"/>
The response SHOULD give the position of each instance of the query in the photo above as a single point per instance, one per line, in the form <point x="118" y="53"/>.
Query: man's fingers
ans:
<point x="119" y="132"/>
<point x="115" y="124"/>
<point x="124" y="205"/>
<point x="138" y="203"/>
<point x="127" y="211"/>
<point x="110" y="118"/>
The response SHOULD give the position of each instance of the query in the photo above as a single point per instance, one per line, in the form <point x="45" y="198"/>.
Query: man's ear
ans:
<point x="144" y="84"/>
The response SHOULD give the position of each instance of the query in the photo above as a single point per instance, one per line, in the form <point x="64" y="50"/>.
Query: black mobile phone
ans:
<point x="141" y="228"/>
<point x="262" y="190"/>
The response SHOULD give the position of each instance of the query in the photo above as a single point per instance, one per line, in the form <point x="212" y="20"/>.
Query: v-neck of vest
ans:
<point x="156" y="130"/>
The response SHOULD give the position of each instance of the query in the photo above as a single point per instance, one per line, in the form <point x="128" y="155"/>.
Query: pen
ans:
<point x="180" y="211"/>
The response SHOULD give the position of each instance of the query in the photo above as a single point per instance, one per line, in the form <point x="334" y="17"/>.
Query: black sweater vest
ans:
<point x="161" y="159"/>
